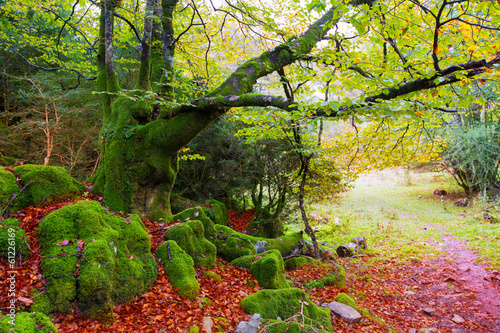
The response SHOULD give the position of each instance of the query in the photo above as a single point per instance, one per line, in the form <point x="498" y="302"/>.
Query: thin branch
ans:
<point x="134" y="29"/>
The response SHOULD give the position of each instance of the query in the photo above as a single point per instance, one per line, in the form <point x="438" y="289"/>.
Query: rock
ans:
<point x="409" y="292"/>
<point x="430" y="311"/>
<point x="206" y="324"/>
<point x="462" y="203"/>
<point x="440" y="192"/>
<point x="412" y="330"/>
<point x="242" y="293"/>
<point x="428" y="330"/>
<point x="457" y="319"/>
<point x="344" y="312"/>
<point x="250" y="326"/>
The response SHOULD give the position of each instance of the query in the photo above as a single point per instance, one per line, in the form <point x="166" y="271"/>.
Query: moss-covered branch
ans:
<point x="246" y="75"/>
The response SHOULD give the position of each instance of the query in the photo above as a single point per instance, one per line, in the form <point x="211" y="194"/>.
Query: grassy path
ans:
<point x="430" y="266"/>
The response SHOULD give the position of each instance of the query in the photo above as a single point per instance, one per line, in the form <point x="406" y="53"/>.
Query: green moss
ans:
<point x="12" y="240"/>
<point x="297" y="262"/>
<point x="190" y="237"/>
<point x="219" y="210"/>
<point x="335" y="277"/>
<point x="346" y="299"/>
<point x="9" y="188"/>
<point x="179" y="204"/>
<point x="267" y="268"/>
<point x="213" y="276"/>
<point x="179" y="267"/>
<point x="41" y="302"/>
<point x="26" y="322"/>
<point x="120" y="265"/>
<point x="197" y="213"/>
<point x="44" y="183"/>
<point x="194" y="329"/>
<point x="285" y="303"/>
<point x="230" y="245"/>
<point x="6" y="160"/>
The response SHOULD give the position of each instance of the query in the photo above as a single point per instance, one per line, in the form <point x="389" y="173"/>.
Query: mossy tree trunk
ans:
<point x="140" y="138"/>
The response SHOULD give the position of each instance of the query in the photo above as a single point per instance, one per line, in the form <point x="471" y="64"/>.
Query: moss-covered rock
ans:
<point x="230" y="245"/>
<point x="5" y="160"/>
<point x="219" y="211"/>
<point x="12" y="240"/>
<point x="267" y="268"/>
<point x="26" y="322"/>
<point x="346" y="299"/>
<point x="41" y="302"/>
<point x="297" y="262"/>
<point x="8" y="189"/>
<point x="335" y="277"/>
<point x="190" y="237"/>
<point x="179" y="267"/>
<point x="46" y="183"/>
<point x="116" y="263"/>
<point x="285" y="303"/>
<point x="240" y="243"/>
<point x="179" y="204"/>
<point x="213" y="276"/>
<point x="197" y="213"/>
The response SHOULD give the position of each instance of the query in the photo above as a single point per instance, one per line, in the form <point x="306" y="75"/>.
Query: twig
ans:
<point x="170" y="226"/>
<point x="51" y="257"/>
<point x="169" y="255"/>
<point x="16" y="195"/>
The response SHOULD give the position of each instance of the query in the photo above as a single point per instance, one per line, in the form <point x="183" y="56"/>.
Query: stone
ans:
<point x="409" y="292"/>
<point x="457" y="319"/>
<point x="430" y="311"/>
<point x="250" y="326"/>
<point x="344" y="312"/>
<point x="206" y="324"/>
<point x="242" y="293"/>
<point x="412" y="330"/>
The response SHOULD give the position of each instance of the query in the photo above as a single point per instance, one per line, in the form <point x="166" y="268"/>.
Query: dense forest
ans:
<point x="172" y="118"/>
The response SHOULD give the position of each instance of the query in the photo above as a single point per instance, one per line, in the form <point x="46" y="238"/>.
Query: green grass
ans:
<point x="400" y="217"/>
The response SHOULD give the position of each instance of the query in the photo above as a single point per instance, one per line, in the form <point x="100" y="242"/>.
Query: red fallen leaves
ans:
<point x="240" y="221"/>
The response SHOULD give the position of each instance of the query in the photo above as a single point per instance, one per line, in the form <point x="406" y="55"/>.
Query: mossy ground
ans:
<point x="26" y="322"/>
<point x="116" y="262"/>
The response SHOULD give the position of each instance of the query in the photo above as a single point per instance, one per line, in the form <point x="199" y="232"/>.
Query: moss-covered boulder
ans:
<point x="190" y="237"/>
<point x="286" y="303"/>
<point x="8" y="189"/>
<point x="5" y="160"/>
<point x="287" y="244"/>
<point x="38" y="184"/>
<point x="115" y="264"/>
<point x="26" y="322"/>
<point x="219" y="211"/>
<point x="41" y="301"/>
<point x="230" y="245"/>
<point x="197" y="213"/>
<point x="179" y="267"/>
<point x="267" y="268"/>
<point x="297" y="262"/>
<point x="12" y="240"/>
<point x="179" y="204"/>
<point x="47" y="183"/>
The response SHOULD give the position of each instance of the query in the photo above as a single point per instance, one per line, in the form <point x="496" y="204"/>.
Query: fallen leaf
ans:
<point x="25" y="300"/>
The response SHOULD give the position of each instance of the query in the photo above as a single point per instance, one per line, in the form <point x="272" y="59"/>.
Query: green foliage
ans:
<point x="473" y="155"/>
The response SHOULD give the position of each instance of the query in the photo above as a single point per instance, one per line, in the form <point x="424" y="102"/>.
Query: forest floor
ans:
<point x="429" y="266"/>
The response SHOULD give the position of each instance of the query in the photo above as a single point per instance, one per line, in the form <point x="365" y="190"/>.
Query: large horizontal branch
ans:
<point x="444" y="77"/>
<point x="243" y="79"/>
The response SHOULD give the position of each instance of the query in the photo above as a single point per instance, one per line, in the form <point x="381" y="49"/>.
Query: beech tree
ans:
<point x="377" y="58"/>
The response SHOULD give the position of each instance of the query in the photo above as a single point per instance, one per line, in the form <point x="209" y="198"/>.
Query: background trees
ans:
<point x="166" y="71"/>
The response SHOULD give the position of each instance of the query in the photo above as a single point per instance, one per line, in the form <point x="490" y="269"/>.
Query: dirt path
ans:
<point x="448" y="292"/>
